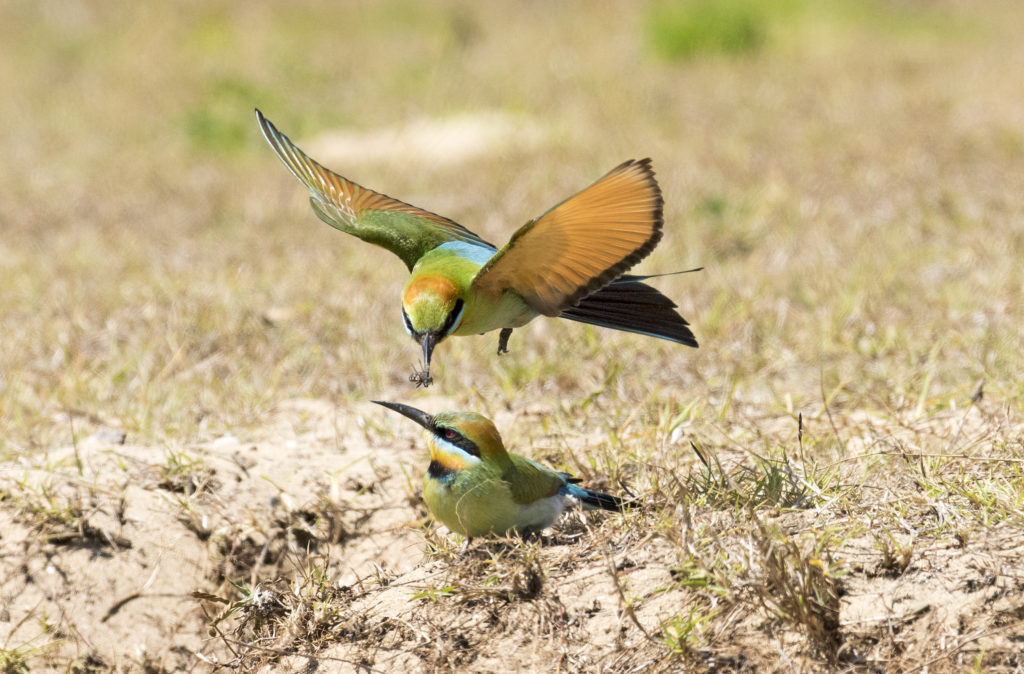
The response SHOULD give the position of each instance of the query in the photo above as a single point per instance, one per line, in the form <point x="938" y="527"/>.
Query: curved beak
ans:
<point x="419" y="416"/>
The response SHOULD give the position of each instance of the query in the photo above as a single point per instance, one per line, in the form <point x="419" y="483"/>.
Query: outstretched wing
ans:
<point x="376" y="218"/>
<point x="582" y="244"/>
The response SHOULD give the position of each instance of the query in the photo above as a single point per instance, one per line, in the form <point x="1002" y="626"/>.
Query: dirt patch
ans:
<point x="104" y="545"/>
<point x="306" y="548"/>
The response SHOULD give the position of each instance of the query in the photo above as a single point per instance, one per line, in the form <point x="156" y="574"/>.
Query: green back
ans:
<point x="530" y="481"/>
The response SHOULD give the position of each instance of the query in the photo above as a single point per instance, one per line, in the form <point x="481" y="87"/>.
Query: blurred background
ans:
<point x="849" y="174"/>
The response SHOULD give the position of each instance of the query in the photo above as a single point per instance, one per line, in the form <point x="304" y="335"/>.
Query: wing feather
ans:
<point x="582" y="244"/>
<point x="376" y="218"/>
<point x="529" y="481"/>
<point x="628" y="304"/>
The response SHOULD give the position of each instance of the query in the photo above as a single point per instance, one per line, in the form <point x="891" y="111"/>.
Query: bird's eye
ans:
<point x="458" y="440"/>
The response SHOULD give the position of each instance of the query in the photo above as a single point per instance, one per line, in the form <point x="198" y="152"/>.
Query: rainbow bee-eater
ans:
<point x="569" y="262"/>
<point x="475" y="487"/>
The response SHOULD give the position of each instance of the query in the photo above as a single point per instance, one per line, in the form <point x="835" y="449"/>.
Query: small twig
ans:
<point x="216" y="631"/>
<point x="800" y="437"/>
<point x="976" y="397"/>
<point x="903" y="617"/>
<point x="281" y="653"/>
<point x="626" y="606"/>
<point x="74" y="444"/>
<point x="118" y="605"/>
<point x="926" y="455"/>
<point x="828" y="413"/>
<point x="67" y="619"/>
<point x="954" y="650"/>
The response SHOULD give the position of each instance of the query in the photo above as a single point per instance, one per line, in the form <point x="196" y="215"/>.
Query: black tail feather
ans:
<point x="594" y="500"/>
<point x="626" y="304"/>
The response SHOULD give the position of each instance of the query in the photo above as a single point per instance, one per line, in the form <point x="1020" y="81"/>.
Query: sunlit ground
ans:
<point x="849" y="176"/>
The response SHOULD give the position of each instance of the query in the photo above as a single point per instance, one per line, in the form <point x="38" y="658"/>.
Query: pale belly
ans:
<point x="488" y="509"/>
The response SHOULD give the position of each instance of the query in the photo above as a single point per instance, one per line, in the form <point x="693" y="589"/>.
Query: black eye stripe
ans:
<point x="459" y="440"/>
<point x="408" y="323"/>
<point x="453" y="316"/>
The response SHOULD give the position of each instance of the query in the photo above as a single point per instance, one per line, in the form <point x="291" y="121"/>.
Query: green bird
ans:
<point x="569" y="262"/>
<point x="475" y="487"/>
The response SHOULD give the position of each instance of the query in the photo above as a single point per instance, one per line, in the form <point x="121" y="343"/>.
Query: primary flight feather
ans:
<point x="569" y="262"/>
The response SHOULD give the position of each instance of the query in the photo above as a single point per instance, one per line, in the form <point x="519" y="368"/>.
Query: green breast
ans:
<point x="488" y="499"/>
<point x="475" y="503"/>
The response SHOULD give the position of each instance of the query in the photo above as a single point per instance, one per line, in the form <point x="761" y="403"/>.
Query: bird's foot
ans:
<point x="464" y="547"/>
<point x="503" y="338"/>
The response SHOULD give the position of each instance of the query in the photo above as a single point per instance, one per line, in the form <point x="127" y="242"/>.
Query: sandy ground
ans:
<point x="115" y="555"/>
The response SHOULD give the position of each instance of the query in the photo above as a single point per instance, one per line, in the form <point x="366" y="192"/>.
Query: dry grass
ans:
<point x="190" y="475"/>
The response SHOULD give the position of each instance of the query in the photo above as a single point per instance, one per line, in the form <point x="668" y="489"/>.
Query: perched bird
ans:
<point x="475" y="487"/>
<point x="569" y="262"/>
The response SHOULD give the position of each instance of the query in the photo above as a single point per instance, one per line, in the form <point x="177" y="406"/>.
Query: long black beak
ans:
<point x="419" y="416"/>
<point x="429" y="340"/>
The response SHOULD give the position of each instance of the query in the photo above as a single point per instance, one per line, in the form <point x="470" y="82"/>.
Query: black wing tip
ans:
<point x="643" y="250"/>
<point x="282" y="144"/>
<point x="646" y="163"/>
<point x="603" y="501"/>
<point x="271" y="133"/>
<point x="675" y="335"/>
<point x="657" y="222"/>
<point x="262" y="120"/>
<point x="633" y="307"/>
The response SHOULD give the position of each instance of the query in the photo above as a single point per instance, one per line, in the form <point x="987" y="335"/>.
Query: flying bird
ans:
<point x="475" y="487"/>
<point x="569" y="262"/>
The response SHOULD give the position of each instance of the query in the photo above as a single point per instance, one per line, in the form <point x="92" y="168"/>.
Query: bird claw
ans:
<point x="503" y="337"/>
